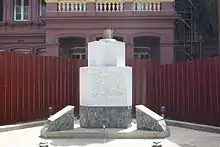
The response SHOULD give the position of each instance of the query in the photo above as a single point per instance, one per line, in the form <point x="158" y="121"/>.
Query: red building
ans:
<point x="64" y="27"/>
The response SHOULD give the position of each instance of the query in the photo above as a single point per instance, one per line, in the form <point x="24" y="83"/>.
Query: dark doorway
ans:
<point x="73" y="47"/>
<point x="146" y="47"/>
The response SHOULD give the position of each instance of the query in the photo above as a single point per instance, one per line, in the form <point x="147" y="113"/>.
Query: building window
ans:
<point x="21" y="10"/>
<point x="41" y="52"/>
<point x="142" y="52"/>
<point x="42" y="7"/>
<point x="1" y="10"/>
<point x="78" y="53"/>
<point x="22" y="51"/>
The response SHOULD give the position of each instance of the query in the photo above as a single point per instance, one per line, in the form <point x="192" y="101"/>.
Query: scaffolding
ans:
<point x="188" y="45"/>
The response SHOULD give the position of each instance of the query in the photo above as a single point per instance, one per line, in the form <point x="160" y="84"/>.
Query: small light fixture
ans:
<point x="157" y="144"/>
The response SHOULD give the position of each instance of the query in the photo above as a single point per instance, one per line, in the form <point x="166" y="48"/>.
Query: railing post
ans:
<point x="167" y="6"/>
<point x="90" y="7"/>
<point x="51" y="8"/>
<point x="128" y="7"/>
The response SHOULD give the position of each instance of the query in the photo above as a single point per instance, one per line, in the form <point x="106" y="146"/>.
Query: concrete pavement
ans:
<point x="192" y="138"/>
<point x="184" y="137"/>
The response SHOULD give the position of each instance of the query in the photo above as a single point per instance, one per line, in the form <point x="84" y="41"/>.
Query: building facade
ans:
<point x="64" y="27"/>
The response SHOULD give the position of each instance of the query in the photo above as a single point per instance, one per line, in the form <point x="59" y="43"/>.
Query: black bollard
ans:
<point x="50" y="111"/>
<point x="163" y="110"/>
<point x="156" y="144"/>
<point x="43" y="144"/>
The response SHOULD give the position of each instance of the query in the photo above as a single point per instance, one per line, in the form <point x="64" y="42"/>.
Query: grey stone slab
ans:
<point x="111" y="117"/>
<point x="60" y="121"/>
<point x="110" y="133"/>
<point x="149" y="120"/>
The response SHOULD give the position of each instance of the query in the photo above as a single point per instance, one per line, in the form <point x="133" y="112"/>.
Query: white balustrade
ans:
<point x="71" y="7"/>
<point x="103" y="6"/>
<point x="109" y="6"/>
<point x="146" y="6"/>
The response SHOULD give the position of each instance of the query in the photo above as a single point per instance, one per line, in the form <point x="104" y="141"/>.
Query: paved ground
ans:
<point x="183" y="137"/>
<point x="192" y="138"/>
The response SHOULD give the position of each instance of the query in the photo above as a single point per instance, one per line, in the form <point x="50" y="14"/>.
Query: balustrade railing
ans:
<point x="109" y="6"/>
<point x="147" y="6"/>
<point x="72" y="7"/>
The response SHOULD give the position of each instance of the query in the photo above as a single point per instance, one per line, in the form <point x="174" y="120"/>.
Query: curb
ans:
<point x="6" y="128"/>
<point x="108" y="133"/>
<point x="193" y="126"/>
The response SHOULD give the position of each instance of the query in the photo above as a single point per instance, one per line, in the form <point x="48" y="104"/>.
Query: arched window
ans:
<point x="41" y="52"/>
<point x="23" y="51"/>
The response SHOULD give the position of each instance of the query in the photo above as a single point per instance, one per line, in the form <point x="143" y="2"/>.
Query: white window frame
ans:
<point x="41" y="10"/>
<point x="145" y="52"/>
<point x="80" y="54"/>
<point x="22" y="11"/>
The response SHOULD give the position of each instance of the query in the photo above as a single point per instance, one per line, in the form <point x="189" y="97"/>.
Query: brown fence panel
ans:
<point x="30" y="84"/>
<point x="189" y="90"/>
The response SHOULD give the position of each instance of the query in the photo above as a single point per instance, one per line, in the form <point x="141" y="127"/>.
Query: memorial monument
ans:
<point x="106" y="100"/>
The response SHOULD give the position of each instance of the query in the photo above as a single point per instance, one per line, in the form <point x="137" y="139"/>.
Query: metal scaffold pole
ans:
<point x="188" y="43"/>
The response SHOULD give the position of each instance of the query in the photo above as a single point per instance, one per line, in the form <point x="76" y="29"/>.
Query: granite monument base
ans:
<point x="150" y="121"/>
<point x="60" y="121"/>
<point x="110" y="117"/>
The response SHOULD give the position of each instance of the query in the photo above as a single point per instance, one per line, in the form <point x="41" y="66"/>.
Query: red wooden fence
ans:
<point x="30" y="84"/>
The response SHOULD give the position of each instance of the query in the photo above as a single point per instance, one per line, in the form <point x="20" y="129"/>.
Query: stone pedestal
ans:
<point x="106" y="87"/>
